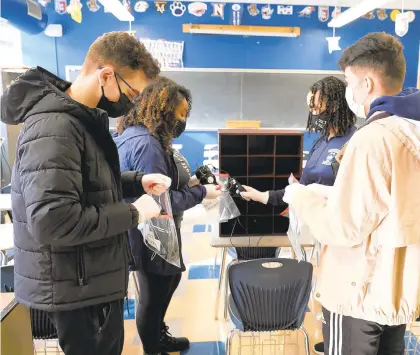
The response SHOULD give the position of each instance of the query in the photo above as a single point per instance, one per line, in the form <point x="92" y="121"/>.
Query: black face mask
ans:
<point x="319" y="122"/>
<point x="179" y="128"/>
<point x="115" y="109"/>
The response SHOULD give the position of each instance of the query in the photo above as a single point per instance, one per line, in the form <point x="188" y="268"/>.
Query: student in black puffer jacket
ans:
<point x="144" y="143"/>
<point x="71" y="246"/>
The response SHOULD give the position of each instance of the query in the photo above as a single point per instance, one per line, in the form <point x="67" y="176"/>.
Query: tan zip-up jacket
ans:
<point x="369" y="225"/>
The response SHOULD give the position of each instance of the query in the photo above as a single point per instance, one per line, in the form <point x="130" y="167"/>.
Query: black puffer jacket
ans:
<point x="71" y="247"/>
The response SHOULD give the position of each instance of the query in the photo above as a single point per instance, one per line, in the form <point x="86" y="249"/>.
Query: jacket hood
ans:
<point x="406" y="104"/>
<point x="38" y="91"/>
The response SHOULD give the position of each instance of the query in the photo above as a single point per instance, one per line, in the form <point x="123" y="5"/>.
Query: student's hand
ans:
<point x="212" y="191"/>
<point x="290" y="191"/>
<point x="340" y="154"/>
<point x="193" y="181"/>
<point x="254" y="195"/>
<point x="147" y="207"/>
<point x="292" y="179"/>
<point x="155" y="184"/>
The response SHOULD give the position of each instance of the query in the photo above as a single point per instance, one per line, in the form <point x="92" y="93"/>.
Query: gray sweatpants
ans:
<point x="352" y="336"/>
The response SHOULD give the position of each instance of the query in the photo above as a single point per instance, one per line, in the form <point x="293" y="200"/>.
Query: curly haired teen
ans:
<point x="145" y="142"/>
<point x="331" y="117"/>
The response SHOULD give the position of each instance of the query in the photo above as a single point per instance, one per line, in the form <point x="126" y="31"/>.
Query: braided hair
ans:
<point x="155" y="109"/>
<point x="339" y="117"/>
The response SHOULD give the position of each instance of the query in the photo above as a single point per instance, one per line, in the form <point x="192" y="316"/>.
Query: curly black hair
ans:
<point x="124" y="51"/>
<point x="338" y="114"/>
<point x="155" y="109"/>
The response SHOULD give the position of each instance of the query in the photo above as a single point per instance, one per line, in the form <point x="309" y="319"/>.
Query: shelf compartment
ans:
<point x="281" y="183"/>
<point x="233" y="227"/>
<point x="289" y="145"/>
<point x="260" y="145"/>
<point x="281" y="224"/>
<point x="261" y="184"/>
<point x="286" y="166"/>
<point x="234" y="166"/>
<point x="260" y="166"/>
<point x="260" y="225"/>
<point x="233" y="145"/>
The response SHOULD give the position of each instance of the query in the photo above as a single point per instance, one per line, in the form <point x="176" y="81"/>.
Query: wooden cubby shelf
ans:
<point x="263" y="159"/>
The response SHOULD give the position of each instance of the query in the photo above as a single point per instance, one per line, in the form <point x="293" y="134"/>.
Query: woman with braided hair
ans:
<point x="144" y="142"/>
<point x="331" y="117"/>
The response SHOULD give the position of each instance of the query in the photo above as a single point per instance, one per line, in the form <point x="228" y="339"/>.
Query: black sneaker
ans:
<point x="171" y="344"/>
<point x="155" y="353"/>
<point x="319" y="348"/>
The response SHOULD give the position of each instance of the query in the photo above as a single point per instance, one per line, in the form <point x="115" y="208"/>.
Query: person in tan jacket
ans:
<point x="369" y="222"/>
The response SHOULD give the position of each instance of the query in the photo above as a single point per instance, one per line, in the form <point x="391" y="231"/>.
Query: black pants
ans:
<point x="156" y="292"/>
<point x="351" y="336"/>
<point x="94" y="330"/>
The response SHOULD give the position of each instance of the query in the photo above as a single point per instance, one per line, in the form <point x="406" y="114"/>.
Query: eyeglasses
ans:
<point x="136" y="92"/>
<point x="118" y="76"/>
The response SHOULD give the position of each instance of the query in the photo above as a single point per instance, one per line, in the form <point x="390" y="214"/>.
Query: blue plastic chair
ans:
<point x="269" y="295"/>
<point x="240" y="254"/>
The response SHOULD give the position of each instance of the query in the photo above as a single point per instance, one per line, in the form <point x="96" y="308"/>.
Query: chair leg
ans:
<point x="225" y="312"/>
<point x="306" y="339"/>
<point x="231" y="334"/>
<point x="219" y="288"/>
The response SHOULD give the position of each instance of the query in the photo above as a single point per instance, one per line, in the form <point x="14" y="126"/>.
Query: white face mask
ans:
<point x="358" y="109"/>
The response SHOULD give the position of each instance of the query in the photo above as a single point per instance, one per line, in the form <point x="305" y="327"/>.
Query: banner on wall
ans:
<point x="168" y="53"/>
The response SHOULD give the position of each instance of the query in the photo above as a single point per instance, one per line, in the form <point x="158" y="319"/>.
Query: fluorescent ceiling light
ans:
<point x="356" y="11"/>
<point x="242" y="33"/>
<point x="117" y="9"/>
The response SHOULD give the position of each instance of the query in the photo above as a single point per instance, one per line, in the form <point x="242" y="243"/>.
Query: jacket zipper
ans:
<point x="80" y="266"/>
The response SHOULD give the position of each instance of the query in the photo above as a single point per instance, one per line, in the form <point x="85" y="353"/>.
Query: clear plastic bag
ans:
<point x="227" y="208"/>
<point x="160" y="234"/>
<point x="294" y="235"/>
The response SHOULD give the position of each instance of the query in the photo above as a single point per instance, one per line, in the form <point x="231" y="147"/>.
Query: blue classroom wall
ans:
<point x="309" y="51"/>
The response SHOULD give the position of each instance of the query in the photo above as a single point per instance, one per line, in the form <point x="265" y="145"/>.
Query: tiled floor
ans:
<point x="191" y="312"/>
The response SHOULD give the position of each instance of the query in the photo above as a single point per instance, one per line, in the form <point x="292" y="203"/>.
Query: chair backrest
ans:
<point x="253" y="253"/>
<point x="42" y="326"/>
<point x="7" y="278"/>
<point x="271" y="294"/>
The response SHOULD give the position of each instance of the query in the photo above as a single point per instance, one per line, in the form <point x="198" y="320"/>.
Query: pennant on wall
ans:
<point x="401" y="23"/>
<point x="237" y="14"/>
<point x="218" y="10"/>
<point x="323" y="13"/>
<point x="336" y="11"/>
<point x="197" y="8"/>
<point x="141" y="6"/>
<point x="370" y="15"/>
<point x="127" y="5"/>
<point x="160" y="6"/>
<point x="60" y="6"/>
<point x="267" y="11"/>
<point x="75" y="10"/>
<point x="307" y="11"/>
<point x="284" y="10"/>
<point x="178" y="8"/>
<point x="93" y="5"/>
<point x="381" y="14"/>
<point x="253" y="9"/>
